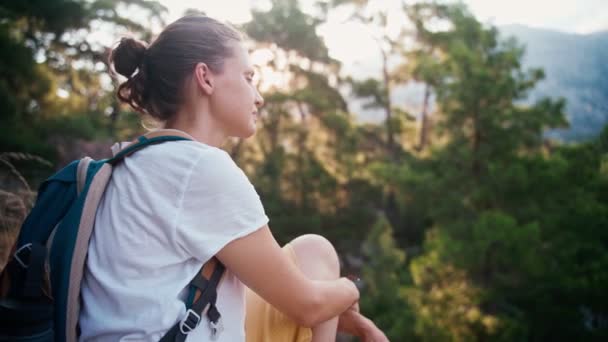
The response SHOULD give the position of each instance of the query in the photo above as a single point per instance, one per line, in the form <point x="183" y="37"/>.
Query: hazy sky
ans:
<point x="576" y="16"/>
<point x="580" y="16"/>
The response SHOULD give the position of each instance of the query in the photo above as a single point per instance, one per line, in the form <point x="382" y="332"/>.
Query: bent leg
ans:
<point x="317" y="259"/>
<point x="264" y="323"/>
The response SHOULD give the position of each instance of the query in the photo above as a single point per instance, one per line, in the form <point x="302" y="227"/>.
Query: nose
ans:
<point x="259" y="100"/>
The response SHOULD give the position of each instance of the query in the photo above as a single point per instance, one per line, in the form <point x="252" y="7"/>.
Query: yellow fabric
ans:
<point x="264" y="323"/>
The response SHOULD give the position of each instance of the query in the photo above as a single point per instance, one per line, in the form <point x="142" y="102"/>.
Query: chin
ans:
<point x="244" y="134"/>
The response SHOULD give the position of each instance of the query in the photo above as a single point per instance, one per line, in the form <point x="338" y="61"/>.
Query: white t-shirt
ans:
<point x="167" y="209"/>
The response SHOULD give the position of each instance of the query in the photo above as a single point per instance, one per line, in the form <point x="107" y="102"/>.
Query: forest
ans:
<point x="465" y="221"/>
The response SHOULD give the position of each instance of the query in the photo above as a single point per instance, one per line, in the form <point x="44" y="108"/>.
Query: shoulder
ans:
<point x="210" y="168"/>
<point x="194" y="153"/>
<point x="180" y="162"/>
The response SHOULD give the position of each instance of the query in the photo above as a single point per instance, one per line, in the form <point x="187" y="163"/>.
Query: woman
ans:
<point x="171" y="207"/>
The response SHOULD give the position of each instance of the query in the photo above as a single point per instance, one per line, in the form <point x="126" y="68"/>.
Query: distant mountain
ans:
<point x="576" y="68"/>
<point x="575" y="65"/>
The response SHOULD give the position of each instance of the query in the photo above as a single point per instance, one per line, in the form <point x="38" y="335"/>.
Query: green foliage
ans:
<point x="286" y="25"/>
<point x="318" y="93"/>
<point x="385" y="276"/>
<point x="497" y="251"/>
<point x="465" y="280"/>
<point x="371" y="89"/>
<point x="45" y="51"/>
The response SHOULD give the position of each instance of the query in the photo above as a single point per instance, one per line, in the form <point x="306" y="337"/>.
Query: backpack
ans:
<point x="40" y="285"/>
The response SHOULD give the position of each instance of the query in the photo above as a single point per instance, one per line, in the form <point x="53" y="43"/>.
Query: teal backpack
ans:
<point x="40" y="285"/>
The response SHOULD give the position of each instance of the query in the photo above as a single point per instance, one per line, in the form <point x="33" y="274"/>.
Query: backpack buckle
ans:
<point x="190" y="322"/>
<point x="25" y="248"/>
<point x="216" y="329"/>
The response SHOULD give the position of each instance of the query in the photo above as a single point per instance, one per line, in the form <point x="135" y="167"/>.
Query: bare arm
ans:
<point x="258" y="261"/>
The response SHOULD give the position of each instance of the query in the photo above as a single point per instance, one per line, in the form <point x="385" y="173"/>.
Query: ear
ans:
<point x="204" y="78"/>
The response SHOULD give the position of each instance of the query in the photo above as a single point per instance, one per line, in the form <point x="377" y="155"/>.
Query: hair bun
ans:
<point x="128" y="56"/>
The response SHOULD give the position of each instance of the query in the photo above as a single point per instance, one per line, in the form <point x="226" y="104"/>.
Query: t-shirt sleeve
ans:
<point x="219" y="205"/>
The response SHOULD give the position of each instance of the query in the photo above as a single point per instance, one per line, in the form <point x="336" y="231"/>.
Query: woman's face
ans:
<point x="235" y="100"/>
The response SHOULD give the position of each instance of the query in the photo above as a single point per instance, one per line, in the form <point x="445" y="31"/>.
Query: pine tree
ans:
<point x="386" y="278"/>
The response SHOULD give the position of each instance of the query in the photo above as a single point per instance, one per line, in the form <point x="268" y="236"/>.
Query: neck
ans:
<point x="200" y="126"/>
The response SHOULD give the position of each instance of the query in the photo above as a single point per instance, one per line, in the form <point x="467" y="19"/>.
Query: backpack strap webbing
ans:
<point x="27" y="272"/>
<point x="205" y="285"/>
<point x="34" y="274"/>
<point x="81" y="179"/>
<point x="151" y="138"/>
<point x="81" y="174"/>
<point x="94" y="192"/>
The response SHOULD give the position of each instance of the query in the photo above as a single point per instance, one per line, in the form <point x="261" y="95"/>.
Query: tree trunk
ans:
<point x="387" y="104"/>
<point x="476" y="162"/>
<point x="301" y="150"/>
<point x="424" y="129"/>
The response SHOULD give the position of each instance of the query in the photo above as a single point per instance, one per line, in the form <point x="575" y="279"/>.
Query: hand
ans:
<point x="371" y="333"/>
<point x="352" y="322"/>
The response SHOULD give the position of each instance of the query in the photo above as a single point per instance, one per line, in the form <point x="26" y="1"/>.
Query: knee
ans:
<point x="316" y="257"/>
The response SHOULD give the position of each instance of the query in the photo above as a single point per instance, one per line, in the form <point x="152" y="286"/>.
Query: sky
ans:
<point x="579" y="16"/>
<point x="574" y="16"/>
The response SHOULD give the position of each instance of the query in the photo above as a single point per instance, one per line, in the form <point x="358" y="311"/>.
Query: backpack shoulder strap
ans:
<point x="81" y="173"/>
<point x="151" y="138"/>
<point x="81" y="179"/>
<point x="93" y="189"/>
<point x="203" y="288"/>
